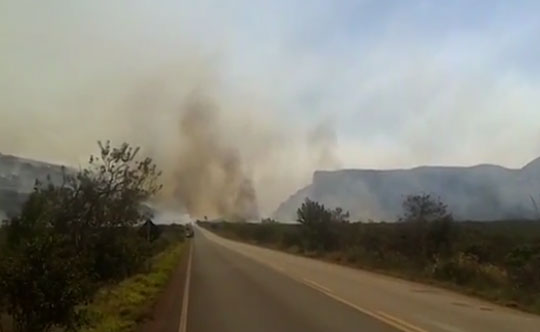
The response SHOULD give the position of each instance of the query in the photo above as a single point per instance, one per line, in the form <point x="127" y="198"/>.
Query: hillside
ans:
<point x="17" y="179"/>
<point x="483" y="192"/>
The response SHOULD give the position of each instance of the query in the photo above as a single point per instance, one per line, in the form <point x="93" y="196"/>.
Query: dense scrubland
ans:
<point x="85" y="253"/>
<point x="499" y="260"/>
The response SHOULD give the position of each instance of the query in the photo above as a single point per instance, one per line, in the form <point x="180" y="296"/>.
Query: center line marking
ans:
<point x="401" y="321"/>
<point x="317" y="285"/>
<point x="395" y="322"/>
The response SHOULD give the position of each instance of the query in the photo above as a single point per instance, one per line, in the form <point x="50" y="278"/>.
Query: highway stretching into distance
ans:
<point x="236" y="287"/>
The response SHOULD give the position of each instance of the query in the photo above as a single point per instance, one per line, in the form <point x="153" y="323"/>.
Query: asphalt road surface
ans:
<point x="236" y="287"/>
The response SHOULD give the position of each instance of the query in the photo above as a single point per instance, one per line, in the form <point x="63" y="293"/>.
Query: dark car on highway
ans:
<point x="189" y="231"/>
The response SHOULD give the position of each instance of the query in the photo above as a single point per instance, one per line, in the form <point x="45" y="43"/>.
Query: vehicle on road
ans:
<point x="189" y="231"/>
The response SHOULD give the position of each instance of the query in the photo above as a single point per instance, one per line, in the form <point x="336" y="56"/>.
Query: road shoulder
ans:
<point x="165" y="315"/>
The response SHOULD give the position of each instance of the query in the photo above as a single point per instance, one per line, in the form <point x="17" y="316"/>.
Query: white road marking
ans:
<point x="185" y="300"/>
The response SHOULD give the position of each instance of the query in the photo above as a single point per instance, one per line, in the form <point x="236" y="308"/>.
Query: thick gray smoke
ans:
<point x="130" y="73"/>
<point x="74" y="72"/>
<point x="208" y="177"/>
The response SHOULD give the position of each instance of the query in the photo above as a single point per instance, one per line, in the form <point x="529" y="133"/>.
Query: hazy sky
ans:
<point x="388" y="83"/>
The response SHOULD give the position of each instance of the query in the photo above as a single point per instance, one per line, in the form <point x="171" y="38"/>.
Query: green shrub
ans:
<point x="72" y="238"/>
<point x="266" y="233"/>
<point x="291" y="238"/>
<point x="465" y="270"/>
<point x="523" y="264"/>
<point x="121" y="307"/>
<point x="355" y="254"/>
<point x="320" y="225"/>
<point x="42" y="284"/>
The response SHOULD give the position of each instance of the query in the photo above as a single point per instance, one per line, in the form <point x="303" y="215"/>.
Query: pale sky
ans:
<point x="392" y="83"/>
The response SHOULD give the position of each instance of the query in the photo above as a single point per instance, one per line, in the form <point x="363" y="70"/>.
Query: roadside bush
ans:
<point x="43" y="283"/>
<point x="170" y="234"/>
<point x="71" y="238"/>
<point x="291" y="238"/>
<point x="266" y="233"/>
<point x="355" y="254"/>
<point x="523" y="264"/>
<point x="120" y="307"/>
<point x="427" y="231"/>
<point x="320" y="225"/>
<point x="118" y="253"/>
<point x="465" y="270"/>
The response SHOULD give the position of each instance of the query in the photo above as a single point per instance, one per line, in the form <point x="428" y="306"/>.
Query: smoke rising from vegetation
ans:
<point x="127" y="71"/>
<point x="223" y="154"/>
<point x="323" y="140"/>
<point x="209" y="178"/>
<point x="143" y="76"/>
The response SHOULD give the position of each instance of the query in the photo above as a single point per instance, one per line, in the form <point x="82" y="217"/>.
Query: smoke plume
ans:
<point x="142" y="75"/>
<point x="209" y="178"/>
<point x="322" y="140"/>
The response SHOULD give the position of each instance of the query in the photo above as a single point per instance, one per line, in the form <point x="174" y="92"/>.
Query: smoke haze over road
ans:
<point x="285" y="89"/>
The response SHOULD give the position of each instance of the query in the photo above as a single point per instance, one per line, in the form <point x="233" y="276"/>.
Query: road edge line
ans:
<point x="317" y="285"/>
<point x="185" y="301"/>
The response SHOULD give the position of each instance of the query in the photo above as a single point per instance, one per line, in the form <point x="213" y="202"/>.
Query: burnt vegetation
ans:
<point x="497" y="260"/>
<point x="73" y="238"/>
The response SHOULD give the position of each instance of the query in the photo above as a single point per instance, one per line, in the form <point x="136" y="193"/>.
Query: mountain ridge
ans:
<point x="17" y="180"/>
<point x="478" y="192"/>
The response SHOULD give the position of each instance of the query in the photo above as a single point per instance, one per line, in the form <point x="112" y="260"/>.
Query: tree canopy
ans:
<point x="72" y="237"/>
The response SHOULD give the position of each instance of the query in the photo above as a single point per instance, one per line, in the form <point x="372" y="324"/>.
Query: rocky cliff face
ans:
<point x="483" y="192"/>
<point x="17" y="179"/>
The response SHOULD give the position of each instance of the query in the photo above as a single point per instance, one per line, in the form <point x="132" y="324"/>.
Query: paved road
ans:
<point x="237" y="287"/>
<point x="232" y="293"/>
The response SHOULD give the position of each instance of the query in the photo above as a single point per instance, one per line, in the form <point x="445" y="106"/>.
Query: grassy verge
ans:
<point x="120" y="308"/>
